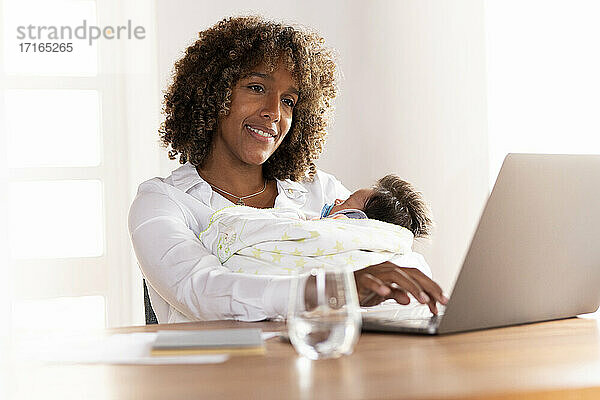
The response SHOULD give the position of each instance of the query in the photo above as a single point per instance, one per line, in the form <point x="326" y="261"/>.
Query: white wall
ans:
<point x="413" y="98"/>
<point x="543" y="83"/>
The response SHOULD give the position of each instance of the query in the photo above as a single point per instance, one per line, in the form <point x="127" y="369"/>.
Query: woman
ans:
<point x="246" y="114"/>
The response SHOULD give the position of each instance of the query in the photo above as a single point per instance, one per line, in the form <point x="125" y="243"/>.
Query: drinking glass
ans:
<point x="325" y="323"/>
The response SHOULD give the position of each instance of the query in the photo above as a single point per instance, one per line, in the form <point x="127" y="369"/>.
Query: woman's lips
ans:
<point x="259" y="134"/>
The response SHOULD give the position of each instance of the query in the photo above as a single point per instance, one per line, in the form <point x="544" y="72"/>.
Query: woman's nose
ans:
<point x="272" y="108"/>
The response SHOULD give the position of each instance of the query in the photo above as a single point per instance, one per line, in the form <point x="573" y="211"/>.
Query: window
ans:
<point x="72" y="155"/>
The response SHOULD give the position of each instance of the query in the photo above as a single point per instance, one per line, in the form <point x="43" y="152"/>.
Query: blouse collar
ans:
<point x="186" y="178"/>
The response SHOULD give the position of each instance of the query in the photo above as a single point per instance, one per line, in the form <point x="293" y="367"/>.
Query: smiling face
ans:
<point x="259" y="118"/>
<point x="356" y="201"/>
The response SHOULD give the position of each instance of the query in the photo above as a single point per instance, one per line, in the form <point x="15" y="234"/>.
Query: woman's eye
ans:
<point x="289" y="102"/>
<point x="256" y="88"/>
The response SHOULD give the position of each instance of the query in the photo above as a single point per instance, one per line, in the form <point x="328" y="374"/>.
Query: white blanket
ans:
<point x="280" y="242"/>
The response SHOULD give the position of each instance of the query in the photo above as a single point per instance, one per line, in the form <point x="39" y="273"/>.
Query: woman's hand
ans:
<point x="379" y="282"/>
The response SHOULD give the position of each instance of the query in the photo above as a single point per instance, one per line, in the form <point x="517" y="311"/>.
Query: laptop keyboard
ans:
<point x="414" y="318"/>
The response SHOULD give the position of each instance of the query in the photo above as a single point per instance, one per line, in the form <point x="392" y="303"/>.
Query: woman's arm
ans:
<point x="188" y="276"/>
<point x="387" y="280"/>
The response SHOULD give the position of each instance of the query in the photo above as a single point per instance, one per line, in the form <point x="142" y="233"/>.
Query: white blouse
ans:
<point x="185" y="281"/>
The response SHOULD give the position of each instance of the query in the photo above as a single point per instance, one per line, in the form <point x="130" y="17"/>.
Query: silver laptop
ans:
<point x="535" y="255"/>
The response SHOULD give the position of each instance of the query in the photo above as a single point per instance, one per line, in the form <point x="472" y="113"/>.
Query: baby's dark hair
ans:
<point x="397" y="202"/>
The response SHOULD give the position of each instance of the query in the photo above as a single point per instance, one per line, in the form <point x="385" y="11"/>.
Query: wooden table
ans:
<point x="551" y="360"/>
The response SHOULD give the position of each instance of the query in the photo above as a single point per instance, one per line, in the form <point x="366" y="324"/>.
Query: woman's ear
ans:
<point x="338" y="202"/>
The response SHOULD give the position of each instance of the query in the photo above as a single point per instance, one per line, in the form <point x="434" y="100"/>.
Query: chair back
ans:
<point x="150" y="315"/>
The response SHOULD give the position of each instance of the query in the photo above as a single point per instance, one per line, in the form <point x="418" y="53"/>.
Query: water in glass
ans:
<point x="327" y="326"/>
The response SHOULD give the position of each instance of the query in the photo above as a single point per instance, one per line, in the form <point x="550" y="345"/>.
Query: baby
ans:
<point x="371" y="226"/>
<point x="390" y="200"/>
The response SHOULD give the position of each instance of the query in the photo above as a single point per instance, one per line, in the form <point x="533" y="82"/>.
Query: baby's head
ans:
<point x="391" y="200"/>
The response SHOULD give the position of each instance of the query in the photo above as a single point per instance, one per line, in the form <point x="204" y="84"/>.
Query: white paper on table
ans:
<point x="129" y="348"/>
<point x="269" y="335"/>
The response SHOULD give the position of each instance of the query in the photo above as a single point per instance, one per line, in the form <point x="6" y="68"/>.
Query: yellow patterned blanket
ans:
<point x="279" y="241"/>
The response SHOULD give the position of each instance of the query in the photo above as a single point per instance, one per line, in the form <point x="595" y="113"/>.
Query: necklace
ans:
<point x="240" y="201"/>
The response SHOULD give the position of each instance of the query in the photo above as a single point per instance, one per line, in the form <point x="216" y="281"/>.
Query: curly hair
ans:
<point x="397" y="202"/>
<point x="200" y="93"/>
